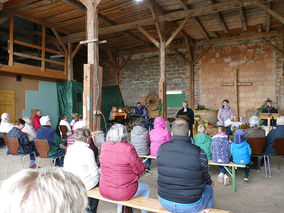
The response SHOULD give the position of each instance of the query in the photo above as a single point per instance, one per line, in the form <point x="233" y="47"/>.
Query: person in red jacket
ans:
<point x="36" y="119"/>
<point x="120" y="168"/>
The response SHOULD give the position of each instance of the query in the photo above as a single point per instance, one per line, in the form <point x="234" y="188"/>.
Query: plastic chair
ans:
<point x="13" y="146"/>
<point x="278" y="145"/>
<point x="257" y="146"/>
<point x="63" y="130"/>
<point x="43" y="148"/>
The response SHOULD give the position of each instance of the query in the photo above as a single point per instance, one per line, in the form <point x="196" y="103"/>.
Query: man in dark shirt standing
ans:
<point x="184" y="183"/>
<point x="269" y="109"/>
<point x="189" y="114"/>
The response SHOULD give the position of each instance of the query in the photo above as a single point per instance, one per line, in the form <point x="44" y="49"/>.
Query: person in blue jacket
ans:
<point x="241" y="151"/>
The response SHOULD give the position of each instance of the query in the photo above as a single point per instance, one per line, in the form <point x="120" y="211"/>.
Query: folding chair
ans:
<point x="257" y="146"/>
<point x="43" y="148"/>
<point x="13" y="146"/>
<point x="63" y="130"/>
<point x="278" y="145"/>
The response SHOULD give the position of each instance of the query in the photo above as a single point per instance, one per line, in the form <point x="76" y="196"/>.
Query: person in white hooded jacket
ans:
<point x="80" y="161"/>
<point x="5" y="125"/>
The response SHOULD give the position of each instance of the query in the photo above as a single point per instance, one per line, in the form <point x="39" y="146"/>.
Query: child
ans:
<point x="203" y="141"/>
<point x="241" y="151"/>
<point x="220" y="148"/>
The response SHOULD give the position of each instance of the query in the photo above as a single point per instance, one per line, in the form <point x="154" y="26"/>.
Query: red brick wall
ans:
<point x="256" y="63"/>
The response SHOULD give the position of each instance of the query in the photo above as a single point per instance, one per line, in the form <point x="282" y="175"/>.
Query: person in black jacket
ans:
<point x="184" y="183"/>
<point x="269" y="109"/>
<point x="189" y="114"/>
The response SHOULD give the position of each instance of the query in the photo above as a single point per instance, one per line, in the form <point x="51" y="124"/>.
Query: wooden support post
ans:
<point x="88" y="95"/>
<point x="11" y="42"/>
<point x="92" y="66"/>
<point x="43" y="48"/>
<point x="192" y="86"/>
<point x="99" y="80"/>
<point x="162" y="83"/>
<point x="70" y="62"/>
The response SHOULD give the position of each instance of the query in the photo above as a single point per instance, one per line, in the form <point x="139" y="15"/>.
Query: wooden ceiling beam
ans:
<point x="242" y="37"/>
<point x="280" y="52"/>
<point x="173" y="16"/>
<point x="75" y="4"/>
<point x="196" y="20"/>
<point x="220" y="19"/>
<point x="243" y="18"/>
<point x="271" y="12"/>
<point x="149" y="36"/>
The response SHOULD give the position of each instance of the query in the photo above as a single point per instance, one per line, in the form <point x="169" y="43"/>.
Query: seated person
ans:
<point x="73" y="116"/>
<point x="29" y="129"/>
<point x="140" y="139"/>
<point x="254" y="131"/>
<point x="112" y="113"/>
<point x="158" y="135"/>
<point x="184" y="183"/>
<point x="36" y="120"/>
<point x="120" y="168"/>
<point x="221" y="152"/>
<point x="269" y="109"/>
<point x="5" y="125"/>
<point x="78" y="118"/>
<point x="46" y="190"/>
<point x="71" y="139"/>
<point x="80" y="161"/>
<point x="64" y="122"/>
<point x="241" y="151"/>
<point x="140" y="111"/>
<point x="203" y="141"/>
<point x="277" y="132"/>
<point x="26" y="146"/>
<point x="45" y="132"/>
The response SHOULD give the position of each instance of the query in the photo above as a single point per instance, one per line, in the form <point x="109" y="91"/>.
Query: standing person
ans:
<point x="26" y="146"/>
<point x="158" y="135"/>
<point x="120" y="168"/>
<point x="184" y="184"/>
<point x="36" y="120"/>
<point x="221" y="152"/>
<point x="269" y="109"/>
<point x="45" y="132"/>
<point x="80" y="161"/>
<point x="241" y="151"/>
<point x="225" y="113"/>
<point x="189" y="114"/>
<point x="5" y="125"/>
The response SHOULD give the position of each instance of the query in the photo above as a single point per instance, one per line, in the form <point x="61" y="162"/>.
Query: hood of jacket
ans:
<point x="202" y="138"/>
<point x="240" y="145"/>
<point x="160" y="122"/>
<point x="238" y="136"/>
<point x="138" y="130"/>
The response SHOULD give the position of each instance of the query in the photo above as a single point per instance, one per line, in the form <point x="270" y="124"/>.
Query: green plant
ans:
<point x="161" y="107"/>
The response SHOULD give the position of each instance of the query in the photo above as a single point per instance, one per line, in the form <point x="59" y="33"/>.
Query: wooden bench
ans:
<point x="230" y="167"/>
<point x="149" y="204"/>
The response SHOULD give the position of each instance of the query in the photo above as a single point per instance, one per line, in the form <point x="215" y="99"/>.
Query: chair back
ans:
<point x="4" y="135"/>
<point x="42" y="147"/>
<point x="13" y="145"/>
<point x="257" y="145"/>
<point x="63" y="130"/>
<point x="278" y="145"/>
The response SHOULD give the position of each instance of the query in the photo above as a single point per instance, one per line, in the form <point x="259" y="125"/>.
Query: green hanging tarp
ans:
<point x="69" y="96"/>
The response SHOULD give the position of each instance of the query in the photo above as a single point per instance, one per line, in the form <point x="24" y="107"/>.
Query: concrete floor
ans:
<point x="258" y="195"/>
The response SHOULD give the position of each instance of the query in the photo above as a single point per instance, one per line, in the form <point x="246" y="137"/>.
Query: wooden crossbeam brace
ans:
<point x="280" y="52"/>
<point x="202" y="54"/>
<point x="148" y="35"/>
<point x="177" y="31"/>
<point x="268" y="18"/>
<point x="271" y="12"/>
<point x="4" y="18"/>
<point x="75" y="51"/>
<point x="182" y="56"/>
<point x="156" y="21"/>
<point x="60" y="41"/>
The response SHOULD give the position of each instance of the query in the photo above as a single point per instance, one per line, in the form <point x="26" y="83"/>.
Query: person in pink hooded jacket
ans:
<point x="158" y="135"/>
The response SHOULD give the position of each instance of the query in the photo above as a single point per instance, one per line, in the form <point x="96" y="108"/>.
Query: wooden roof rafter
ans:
<point x="243" y="19"/>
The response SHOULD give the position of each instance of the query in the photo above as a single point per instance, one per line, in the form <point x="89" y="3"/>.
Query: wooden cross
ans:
<point x="236" y="83"/>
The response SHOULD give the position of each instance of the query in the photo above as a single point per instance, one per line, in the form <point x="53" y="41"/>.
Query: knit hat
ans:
<point x="238" y="136"/>
<point x="43" y="120"/>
